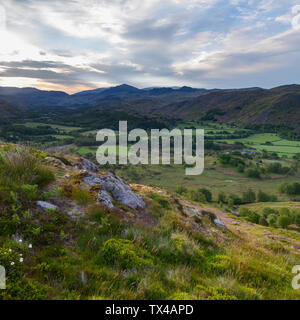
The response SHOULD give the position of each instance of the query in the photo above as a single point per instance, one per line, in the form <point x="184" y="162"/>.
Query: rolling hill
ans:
<point x="277" y="106"/>
<point x="8" y="111"/>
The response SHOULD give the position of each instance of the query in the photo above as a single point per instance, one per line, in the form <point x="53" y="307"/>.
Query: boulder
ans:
<point x="219" y="224"/>
<point x="46" y="205"/>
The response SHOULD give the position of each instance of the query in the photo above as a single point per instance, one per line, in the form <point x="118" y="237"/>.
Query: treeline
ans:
<point x="205" y="195"/>
<point x="291" y="189"/>
<point x="271" y="217"/>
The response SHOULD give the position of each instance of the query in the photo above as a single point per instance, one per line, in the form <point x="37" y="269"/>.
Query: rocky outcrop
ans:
<point x="105" y="198"/>
<point x="113" y="188"/>
<point x="110" y="188"/>
<point x="88" y="165"/>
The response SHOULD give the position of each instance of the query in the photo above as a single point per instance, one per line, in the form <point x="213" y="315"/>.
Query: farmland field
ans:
<point x="270" y="142"/>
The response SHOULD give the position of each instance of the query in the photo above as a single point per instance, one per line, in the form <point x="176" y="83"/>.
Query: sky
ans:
<point x="75" y="45"/>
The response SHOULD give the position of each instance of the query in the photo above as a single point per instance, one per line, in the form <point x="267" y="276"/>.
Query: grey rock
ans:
<point x="118" y="188"/>
<point x="46" y="205"/>
<point x="88" y="165"/>
<point x="105" y="198"/>
<point x="220" y="224"/>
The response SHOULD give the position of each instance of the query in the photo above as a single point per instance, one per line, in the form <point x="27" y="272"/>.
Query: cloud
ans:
<point x="88" y="43"/>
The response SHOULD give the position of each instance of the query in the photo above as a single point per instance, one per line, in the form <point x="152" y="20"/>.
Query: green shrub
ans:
<point x="161" y="200"/>
<point x="267" y="211"/>
<point x="207" y="194"/>
<point x="263" y="221"/>
<point x="154" y="291"/>
<point x="253" y="217"/>
<point x="283" y="221"/>
<point x="272" y="219"/>
<point x="264" y="197"/>
<point x="30" y="191"/>
<point x="244" y="212"/>
<point x="125" y="254"/>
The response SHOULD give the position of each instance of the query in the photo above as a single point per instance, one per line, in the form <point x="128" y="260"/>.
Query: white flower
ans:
<point x="30" y="245"/>
<point x="21" y="255"/>
<point x="21" y="260"/>
<point x="9" y="250"/>
<point x="12" y="263"/>
<point x="20" y="240"/>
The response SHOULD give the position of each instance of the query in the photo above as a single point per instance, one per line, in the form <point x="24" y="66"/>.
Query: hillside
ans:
<point x="278" y="106"/>
<point x="8" y="111"/>
<point x="68" y="230"/>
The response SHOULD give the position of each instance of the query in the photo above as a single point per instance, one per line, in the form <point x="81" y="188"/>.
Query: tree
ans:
<point x="249" y="196"/>
<point x="267" y="211"/>
<point x="253" y="173"/>
<point x="244" y="212"/>
<point x="272" y="218"/>
<point x="253" y="217"/>
<point x="283" y="221"/>
<point x="263" y="197"/>
<point x="263" y="221"/>
<point x="207" y="194"/>
<point x="222" y="197"/>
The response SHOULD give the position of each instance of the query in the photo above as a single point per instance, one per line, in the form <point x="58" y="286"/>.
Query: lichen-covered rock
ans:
<point x="105" y="198"/>
<point x="46" y="205"/>
<point x="117" y="188"/>
<point x="88" y="165"/>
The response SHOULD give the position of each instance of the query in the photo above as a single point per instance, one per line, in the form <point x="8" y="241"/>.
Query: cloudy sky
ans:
<point x="73" y="45"/>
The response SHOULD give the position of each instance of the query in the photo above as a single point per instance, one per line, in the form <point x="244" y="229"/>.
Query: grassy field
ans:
<point x="214" y="178"/>
<point x="282" y="147"/>
<point x="54" y="126"/>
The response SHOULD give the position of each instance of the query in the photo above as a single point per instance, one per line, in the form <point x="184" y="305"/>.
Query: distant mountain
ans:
<point x="31" y="98"/>
<point x="277" y="106"/>
<point x="34" y="99"/>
